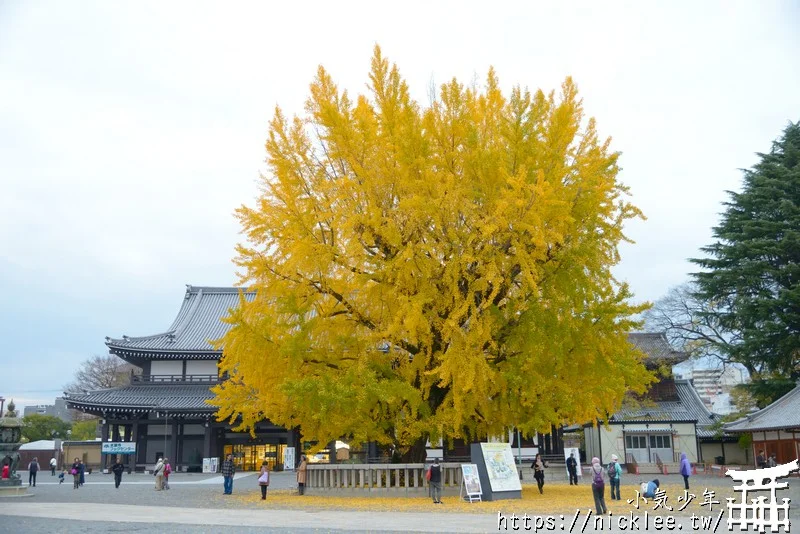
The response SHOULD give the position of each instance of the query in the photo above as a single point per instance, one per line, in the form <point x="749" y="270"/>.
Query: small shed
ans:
<point x="87" y="451"/>
<point x="43" y="450"/>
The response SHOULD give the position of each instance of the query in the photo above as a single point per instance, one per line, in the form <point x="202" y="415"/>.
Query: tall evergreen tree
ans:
<point x="754" y="268"/>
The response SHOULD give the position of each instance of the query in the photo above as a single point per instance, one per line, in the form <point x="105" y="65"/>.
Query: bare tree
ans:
<point x="692" y="325"/>
<point x="101" y="372"/>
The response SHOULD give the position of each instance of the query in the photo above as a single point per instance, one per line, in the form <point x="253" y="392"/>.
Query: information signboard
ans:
<point x="118" y="447"/>
<point x="497" y="470"/>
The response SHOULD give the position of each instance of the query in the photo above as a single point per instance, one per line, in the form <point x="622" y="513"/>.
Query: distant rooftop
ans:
<point x="656" y="347"/>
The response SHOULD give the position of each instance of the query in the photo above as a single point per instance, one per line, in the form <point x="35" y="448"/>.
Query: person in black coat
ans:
<point x="436" y="481"/>
<point x="572" y="469"/>
<point x="118" y="468"/>
<point x="538" y="471"/>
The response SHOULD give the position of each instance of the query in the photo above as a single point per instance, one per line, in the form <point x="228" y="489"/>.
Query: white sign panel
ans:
<point x="472" y="483"/>
<point x="500" y="466"/>
<point x="288" y="459"/>
<point x="576" y="452"/>
<point x="118" y="447"/>
<point x="210" y="465"/>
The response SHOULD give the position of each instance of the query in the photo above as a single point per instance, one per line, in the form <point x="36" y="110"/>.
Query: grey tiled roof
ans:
<point x="694" y="405"/>
<point x="782" y="414"/>
<point x="179" y="397"/>
<point x="660" y="411"/>
<point x="655" y="346"/>
<point x="198" y="322"/>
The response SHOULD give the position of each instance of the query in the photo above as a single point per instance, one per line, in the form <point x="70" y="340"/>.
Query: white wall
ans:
<point x="201" y="367"/>
<point x="166" y="367"/>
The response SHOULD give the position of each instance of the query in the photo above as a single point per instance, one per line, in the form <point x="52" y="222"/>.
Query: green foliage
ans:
<point x="84" y="430"/>
<point x="37" y="426"/>
<point x="753" y="267"/>
<point x="765" y="391"/>
<point x="745" y="441"/>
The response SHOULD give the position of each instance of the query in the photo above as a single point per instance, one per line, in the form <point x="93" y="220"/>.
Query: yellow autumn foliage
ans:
<point x="432" y="271"/>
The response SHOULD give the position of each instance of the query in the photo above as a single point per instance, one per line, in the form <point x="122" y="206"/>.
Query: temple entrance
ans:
<point x="249" y="457"/>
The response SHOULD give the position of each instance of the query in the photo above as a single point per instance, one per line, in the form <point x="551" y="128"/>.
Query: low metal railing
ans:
<point x="175" y="379"/>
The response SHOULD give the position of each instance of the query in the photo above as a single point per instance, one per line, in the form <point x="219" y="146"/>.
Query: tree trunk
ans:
<point x="417" y="453"/>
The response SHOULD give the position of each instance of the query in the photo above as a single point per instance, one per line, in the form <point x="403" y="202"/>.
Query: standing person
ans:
<point x="76" y="473"/>
<point x="158" y="472"/>
<point x="614" y="477"/>
<point x="598" y="487"/>
<point x="117" y="469"/>
<point x="302" y="470"/>
<point x="686" y="470"/>
<point x="538" y="471"/>
<point x="572" y="469"/>
<point x="263" y="479"/>
<point x="53" y="465"/>
<point x="772" y="462"/>
<point x="6" y="470"/>
<point x="228" y="470"/>
<point x="33" y="468"/>
<point x="82" y="473"/>
<point x="167" y="472"/>
<point x="761" y="462"/>
<point x="436" y="482"/>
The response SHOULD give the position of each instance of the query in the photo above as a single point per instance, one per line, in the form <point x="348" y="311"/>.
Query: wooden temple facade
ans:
<point x="164" y="410"/>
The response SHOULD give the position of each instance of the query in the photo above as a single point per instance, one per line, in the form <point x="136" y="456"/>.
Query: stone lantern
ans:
<point x="10" y="437"/>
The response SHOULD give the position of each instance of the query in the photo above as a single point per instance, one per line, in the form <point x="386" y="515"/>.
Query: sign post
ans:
<point x="288" y="459"/>
<point x="470" y="483"/>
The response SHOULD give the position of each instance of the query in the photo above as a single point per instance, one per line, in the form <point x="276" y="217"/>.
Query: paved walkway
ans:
<point x="196" y="505"/>
<point x="295" y="520"/>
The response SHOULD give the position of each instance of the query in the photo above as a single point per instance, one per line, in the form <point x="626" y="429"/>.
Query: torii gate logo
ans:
<point x="761" y="513"/>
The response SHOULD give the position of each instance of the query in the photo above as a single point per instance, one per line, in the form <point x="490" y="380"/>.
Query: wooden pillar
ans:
<point x="115" y="432"/>
<point x="104" y="438"/>
<point x="141" y="455"/>
<point x="133" y="436"/>
<point x="207" y="437"/>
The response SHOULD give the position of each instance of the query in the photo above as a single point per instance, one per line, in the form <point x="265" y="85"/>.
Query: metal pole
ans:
<point x="519" y="453"/>
<point x="166" y="417"/>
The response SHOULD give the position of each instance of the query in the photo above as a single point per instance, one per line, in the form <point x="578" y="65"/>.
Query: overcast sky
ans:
<point x="130" y="131"/>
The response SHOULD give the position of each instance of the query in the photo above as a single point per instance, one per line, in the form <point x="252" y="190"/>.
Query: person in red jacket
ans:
<point x="5" y="471"/>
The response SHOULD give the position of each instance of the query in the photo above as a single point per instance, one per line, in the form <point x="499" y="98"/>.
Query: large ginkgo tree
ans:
<point x="432" y="271"/>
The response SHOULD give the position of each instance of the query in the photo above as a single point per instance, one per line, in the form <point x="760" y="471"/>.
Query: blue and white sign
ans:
<point x="118" y="447"/>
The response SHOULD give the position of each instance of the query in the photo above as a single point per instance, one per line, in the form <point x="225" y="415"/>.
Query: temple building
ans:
<point x="654" y="430"/>
<point x="164" y="409"/>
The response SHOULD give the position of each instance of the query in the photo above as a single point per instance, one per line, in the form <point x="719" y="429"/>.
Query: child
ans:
<point x="61" y="476"/>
